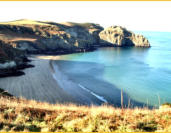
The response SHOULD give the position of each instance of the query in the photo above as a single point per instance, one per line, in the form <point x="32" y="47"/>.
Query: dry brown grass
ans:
<point x="14" y="36"/>
<point x="25" y="115"/>
<point x="23" y="22"/>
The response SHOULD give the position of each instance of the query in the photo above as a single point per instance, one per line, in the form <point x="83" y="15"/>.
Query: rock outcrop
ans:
<point x="10" y="58"/>
<point x="8" y="53"/>
<point x="119" y="36"/>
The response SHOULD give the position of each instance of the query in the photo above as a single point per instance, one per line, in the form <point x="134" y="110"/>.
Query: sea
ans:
<point x="141" y="76"/>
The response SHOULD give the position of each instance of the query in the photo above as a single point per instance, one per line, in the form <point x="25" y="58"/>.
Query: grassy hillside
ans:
<point x="23" y="29"/>
<point x="23" y="22"/>
<point x="31" y="30"/>
<point x="24" y="115"/>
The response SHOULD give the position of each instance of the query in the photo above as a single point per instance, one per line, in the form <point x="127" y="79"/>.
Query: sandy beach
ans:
<point x="45" y="82"/>
<point x="37" y="83"/>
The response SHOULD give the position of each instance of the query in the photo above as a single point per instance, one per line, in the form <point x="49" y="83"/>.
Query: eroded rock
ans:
<point x="119" y="36"/>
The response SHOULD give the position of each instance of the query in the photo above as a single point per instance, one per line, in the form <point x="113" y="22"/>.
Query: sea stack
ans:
<point x="120" y="36"/>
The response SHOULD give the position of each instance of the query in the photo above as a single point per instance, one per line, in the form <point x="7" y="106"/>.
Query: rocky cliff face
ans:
<point x="8" y="53"/>
<point x="10" y="58"/>
<point x="46" y="37"/>
<point x="119" y="36"/>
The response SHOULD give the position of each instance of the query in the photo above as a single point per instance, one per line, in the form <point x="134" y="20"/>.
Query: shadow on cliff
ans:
<point x="90" y="75"/>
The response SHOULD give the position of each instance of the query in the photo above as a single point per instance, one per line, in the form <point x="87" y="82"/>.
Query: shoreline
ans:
<point x="44" y="75"/>
<point x="90" y="89"/>
<point x="82" y="94"/>
<point x="78" y="91"/>
<point x="47" y="83"/>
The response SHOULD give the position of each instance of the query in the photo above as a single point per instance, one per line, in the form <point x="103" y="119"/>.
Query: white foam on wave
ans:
<point x="62" y="78"/>
<point x="94" y="94"/>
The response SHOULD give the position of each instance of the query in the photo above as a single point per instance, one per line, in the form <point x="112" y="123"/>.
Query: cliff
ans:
<point x="119" y="36"/>
<point x="50" y="37"/>
<point x="10" y="58"/>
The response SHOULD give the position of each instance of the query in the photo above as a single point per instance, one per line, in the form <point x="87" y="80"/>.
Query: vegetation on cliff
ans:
<point x="46" y="37"/>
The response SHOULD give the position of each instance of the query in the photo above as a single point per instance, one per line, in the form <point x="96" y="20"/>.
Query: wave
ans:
<point x="94" y="94"/>
<point x="68" y="84"/>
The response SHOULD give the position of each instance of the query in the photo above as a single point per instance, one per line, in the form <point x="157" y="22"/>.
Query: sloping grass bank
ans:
<point x="24" y="115"/>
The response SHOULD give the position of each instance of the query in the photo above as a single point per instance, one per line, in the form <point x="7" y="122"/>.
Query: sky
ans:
<point x="139" y="15"/>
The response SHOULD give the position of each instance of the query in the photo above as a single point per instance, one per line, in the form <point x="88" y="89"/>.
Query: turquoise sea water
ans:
<point x="144" y="74"/>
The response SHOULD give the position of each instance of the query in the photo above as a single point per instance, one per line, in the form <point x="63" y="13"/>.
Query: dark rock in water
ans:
<point x="4" y="93"/>
<point x="119" y="36"/>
